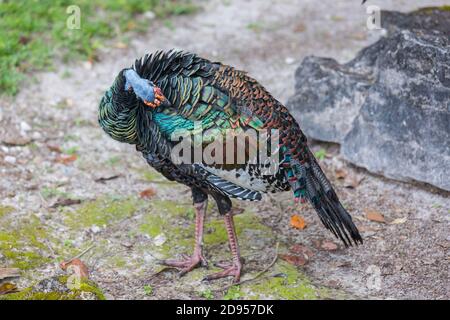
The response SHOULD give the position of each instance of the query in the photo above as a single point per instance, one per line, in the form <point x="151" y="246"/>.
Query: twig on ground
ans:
<point x="82" y="253"/>
<point x="47" y="243"/>
<point x="161" y="271"/>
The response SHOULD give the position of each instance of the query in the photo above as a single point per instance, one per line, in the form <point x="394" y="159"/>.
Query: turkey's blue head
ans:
<point x="144" y="89"/>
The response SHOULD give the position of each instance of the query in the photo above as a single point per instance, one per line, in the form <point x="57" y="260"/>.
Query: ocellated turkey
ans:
<point x="168" y="91"/>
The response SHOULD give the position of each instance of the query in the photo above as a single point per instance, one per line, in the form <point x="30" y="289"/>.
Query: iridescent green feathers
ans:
<point x="117" y="113"/>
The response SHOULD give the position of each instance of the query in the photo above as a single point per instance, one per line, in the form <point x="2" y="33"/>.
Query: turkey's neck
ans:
<point x="118" y="119"/>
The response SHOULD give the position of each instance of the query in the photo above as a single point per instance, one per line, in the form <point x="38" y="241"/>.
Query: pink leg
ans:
<point x="189" y="263"/>
<point x="233" y="269"/>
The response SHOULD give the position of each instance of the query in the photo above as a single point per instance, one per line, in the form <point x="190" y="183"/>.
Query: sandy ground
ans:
<point x="405" y="257"/>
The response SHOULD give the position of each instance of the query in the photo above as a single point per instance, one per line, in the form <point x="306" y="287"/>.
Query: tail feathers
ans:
<point x="331" y="212"/>
<point x="310" y="183"/>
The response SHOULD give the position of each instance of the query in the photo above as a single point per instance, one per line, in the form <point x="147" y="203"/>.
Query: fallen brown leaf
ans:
<point x="147" y="193"/>
<point x="353" y="181"/>
<point x="66" y="159"/>
<point x="54" y="148"/>
<point x="323" y="244"/>
<point x="399" y="220"/>
<point x="120" y="45"/>
<point x="62" y="202"/>
<point x="343" y="264"/>
<point x="7" y="287"/>
<point x="340" y="173"/>
<point x="374" y="215"/>
<point x="16" y="141"/>
<point x="78" y="266"/>
<point x="9" y="273"/>
<point x="368" y="229"/>
<point x="296" y="260"/>
<point x="300" y="27"/>
<point x="298" y="222"/>
<point x="329" y="245"/>
<point x="302" y="250"/>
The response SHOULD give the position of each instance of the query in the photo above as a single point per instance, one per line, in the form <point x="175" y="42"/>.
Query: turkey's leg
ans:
<point x="233" y="269"/>
<point x="189" y="263"/>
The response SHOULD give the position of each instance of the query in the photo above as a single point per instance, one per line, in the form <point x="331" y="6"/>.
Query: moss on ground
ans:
<point x="102" y="212"/>
<point x="21" y="242"/>
<point x="431" y="9"/>
<point x="86" y="290"/>
<point x="290" y="285"/>
<point x="4" y="210"/>
<point x="22" y="246"/>
<point x="152" y="176"/>
<point x="175" y="222"/>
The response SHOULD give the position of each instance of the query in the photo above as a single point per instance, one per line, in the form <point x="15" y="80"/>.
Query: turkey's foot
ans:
<point x="187" y="263"/>
<point x="233" y="270"/>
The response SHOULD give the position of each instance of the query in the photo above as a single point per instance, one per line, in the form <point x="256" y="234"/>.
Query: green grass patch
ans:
<point x="33" y="33"/>
<point x="321" y="154"/>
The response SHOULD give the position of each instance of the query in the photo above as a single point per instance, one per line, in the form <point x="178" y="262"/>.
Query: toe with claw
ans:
<point x="233" y="270"/>
<point x="187" y="263"/>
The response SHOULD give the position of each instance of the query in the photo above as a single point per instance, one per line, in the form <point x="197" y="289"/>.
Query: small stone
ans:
<point x="289" y="60"/>
<point x="150" y="15"/>
<point x="87" y="65"/>
<point x="159" y="240"/>
<point x="95" y="229"/>
<point x="36" y="135"/>
<point x="10" y="159"/>
<point x="85" y="295"/>
<point x="24" y="126"/>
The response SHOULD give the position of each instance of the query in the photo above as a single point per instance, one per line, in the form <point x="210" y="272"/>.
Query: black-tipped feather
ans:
<point x="331" y="212"/>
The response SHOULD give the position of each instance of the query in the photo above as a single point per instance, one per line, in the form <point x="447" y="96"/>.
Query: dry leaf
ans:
<point x="373" y="215"/>
<point x="16" y="141"/>
<point x="147" y="193"/>
<point x="9" y="273"/>
<point x="107" y="178"/>
<point x="54" y="148"/>
<point x="368" y="229"/>
<point x="120" y="45"/>
<point x="399" y="220"/>
<point x="8" y="288"/>
<point x="340" y="173"/>
<point x="62" y="202"/>
<point x="66" y="159"/>
<point x="294" y="259"/>
<point x="352" y="181"/>
<point x="302" y="250"/>
<point x="78" y="267"/>
<point x="300" y="27"/>
<point x="329" y="245"/>
<point x="298" y="222"/>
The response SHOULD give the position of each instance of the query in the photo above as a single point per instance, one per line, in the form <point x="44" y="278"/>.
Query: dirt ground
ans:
<point x="54" y="206"/>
